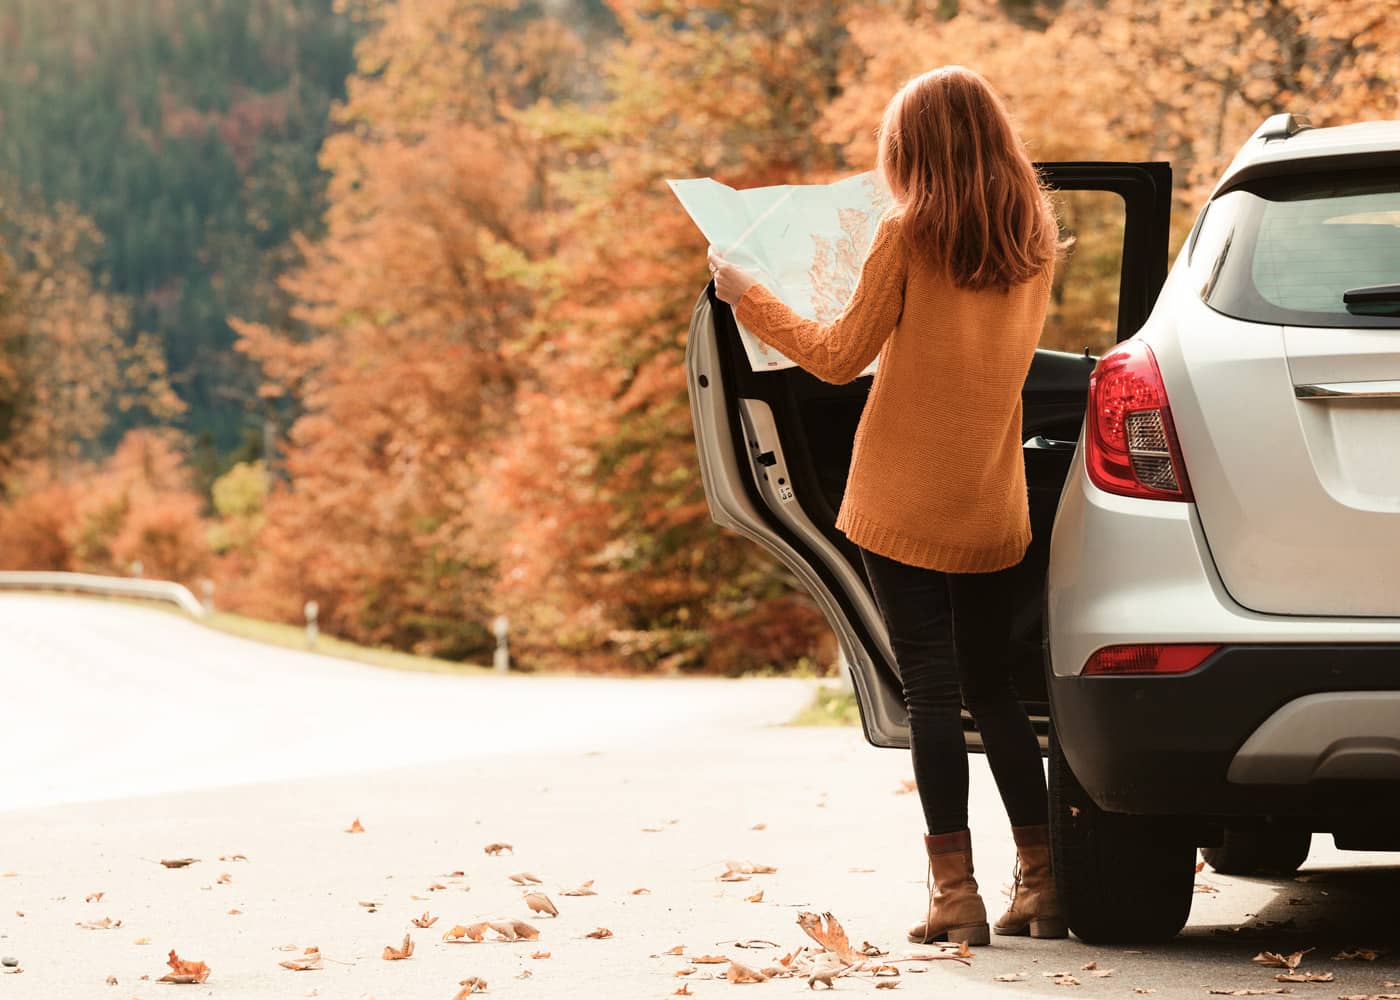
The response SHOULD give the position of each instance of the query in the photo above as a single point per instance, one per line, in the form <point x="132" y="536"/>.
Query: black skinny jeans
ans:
<point x="949" y="634"/>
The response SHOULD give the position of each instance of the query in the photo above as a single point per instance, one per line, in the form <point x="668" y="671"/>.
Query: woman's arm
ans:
<point x="839" y="351"/>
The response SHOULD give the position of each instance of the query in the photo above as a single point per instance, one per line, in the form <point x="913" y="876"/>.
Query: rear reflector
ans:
<point x="1148" y="659"/>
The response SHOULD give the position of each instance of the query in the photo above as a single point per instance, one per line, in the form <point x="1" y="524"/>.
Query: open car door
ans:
<point x="775" y="446"/>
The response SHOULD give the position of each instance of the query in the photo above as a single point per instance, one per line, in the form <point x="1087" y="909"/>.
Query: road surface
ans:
<point x="132" y="735"/>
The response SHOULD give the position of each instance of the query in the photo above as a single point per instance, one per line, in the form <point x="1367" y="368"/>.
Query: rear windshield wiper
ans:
<point x="1373" y="300"/>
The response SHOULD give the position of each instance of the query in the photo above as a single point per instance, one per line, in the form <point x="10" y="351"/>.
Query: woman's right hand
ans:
<point x="730" y="282"/>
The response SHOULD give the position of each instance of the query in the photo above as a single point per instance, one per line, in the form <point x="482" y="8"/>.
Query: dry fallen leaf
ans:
<point x="1204" y="887"/>
<point x="234" y="912"/>
<point x="540" y="903"/>
<point x="470" y="985"/>
<point x="831" y="935"/>
<point x="94" y="897"/>
<point x="709" y="959"/>
<point x="355" y="827"/>
<point x="540" y="954"/>
<point x="733" y="877"/>
<point x="424" y="920"/>
<point x="825" y="968"/>
<point x="1352" y="954"/>
<point x="755" y="898"/>
<point x="759" y="826"/>
<point x="1066" y="981"/>
<point x="887" y="984"/>
<point x="1101" y="973"/>
<point x="1088" y="966"/>
<point x="1199" y="866"/>
<point x="737" y="973"/>
<point x="641" y="892"/>
<point x="688" y="970"/>
<point x="599" y="933"/>
<point x="392" y="954"/>
<point x="508" y="930"/>
<point x="1010" y="977"/>
<point x="677" y="950"/>
<point x="105" y="924"/>
<point x="1249" y="993"/>
<point x="182" y="971"/>
<point x="224" y="879"/>
<point x="1303" y="977"/>
<point x="684" y="991"/>
<point x="142" y="940"/>
<point x="525" y="878"/>
<point x="233" y="857"/>
<point x="437" y="887"/>
<point x="1143" y="990"/>
<point x="498" y="848"/>
<point x="308" y="961"/>
<point x="1273" y="958"/>
<point x="747" y="867"/>
<point x="586" y="889"/>
<point x="178" y="862"/>
<point x="906" y="786"/>
<point x="111" y="980"/>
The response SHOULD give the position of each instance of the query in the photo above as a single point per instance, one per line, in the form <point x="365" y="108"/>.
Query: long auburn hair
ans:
<point x="969" y="197"/>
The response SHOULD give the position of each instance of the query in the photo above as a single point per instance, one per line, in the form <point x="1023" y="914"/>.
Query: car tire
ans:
<point x="1121" y="879"/>
<point x="1259" y="852"/>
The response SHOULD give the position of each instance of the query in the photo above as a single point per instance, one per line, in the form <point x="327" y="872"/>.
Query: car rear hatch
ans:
<point x="1295" y="456"/>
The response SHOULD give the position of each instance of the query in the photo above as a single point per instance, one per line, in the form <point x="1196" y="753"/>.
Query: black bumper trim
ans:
<point x="1161" y="745"/>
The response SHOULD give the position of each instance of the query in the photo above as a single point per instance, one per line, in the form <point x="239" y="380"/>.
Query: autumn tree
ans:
<point x="612" y="556"/>
<point x="397" y="362"/>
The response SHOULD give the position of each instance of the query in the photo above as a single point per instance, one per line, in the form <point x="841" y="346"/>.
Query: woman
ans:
<point x="952" y="297"/>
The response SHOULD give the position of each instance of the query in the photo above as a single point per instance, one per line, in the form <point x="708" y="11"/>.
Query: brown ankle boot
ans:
<point x="1035" y="908"/>
<point x="955" y="910"/>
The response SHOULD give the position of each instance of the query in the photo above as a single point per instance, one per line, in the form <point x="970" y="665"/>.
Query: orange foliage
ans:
<point x="137" y="506"/>
<point x="487" y="353"/>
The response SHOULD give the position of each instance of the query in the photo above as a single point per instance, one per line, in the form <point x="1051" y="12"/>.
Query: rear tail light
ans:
<point x="1148" y="659"/>
<point x="1130" y="442"/>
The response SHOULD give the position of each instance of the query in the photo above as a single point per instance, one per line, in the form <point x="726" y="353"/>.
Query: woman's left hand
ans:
<point x="730" y="282"/>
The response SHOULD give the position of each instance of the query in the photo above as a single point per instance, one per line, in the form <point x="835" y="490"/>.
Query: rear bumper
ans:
<point x="1309" y="731"/>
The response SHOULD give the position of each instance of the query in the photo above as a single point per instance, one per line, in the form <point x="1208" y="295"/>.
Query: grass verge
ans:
<point x="831" y="706"/>
<point x="294" y="637"/>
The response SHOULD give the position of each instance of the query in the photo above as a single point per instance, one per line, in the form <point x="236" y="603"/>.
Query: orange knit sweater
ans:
<point x="937" y="475"/>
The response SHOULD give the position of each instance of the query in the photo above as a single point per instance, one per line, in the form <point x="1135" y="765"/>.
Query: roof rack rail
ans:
<point x="1281" y="126"/>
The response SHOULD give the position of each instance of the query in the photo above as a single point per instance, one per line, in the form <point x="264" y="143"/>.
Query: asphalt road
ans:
<point x="131" y="735"/>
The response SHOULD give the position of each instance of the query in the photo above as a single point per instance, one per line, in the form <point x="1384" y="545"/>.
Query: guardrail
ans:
<point x="106" y="586"/>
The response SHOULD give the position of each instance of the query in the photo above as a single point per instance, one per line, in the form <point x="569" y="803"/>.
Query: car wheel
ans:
<point x="1121" y="879"/>
<point x="1259" y="852"/>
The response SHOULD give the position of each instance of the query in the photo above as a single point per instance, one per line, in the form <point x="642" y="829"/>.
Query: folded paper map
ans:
<point x="805" y="242"/>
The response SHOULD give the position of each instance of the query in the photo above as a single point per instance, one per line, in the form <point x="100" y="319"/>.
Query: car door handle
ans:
<point x="1042" y="443"/>
<point x="1349" y="390"/>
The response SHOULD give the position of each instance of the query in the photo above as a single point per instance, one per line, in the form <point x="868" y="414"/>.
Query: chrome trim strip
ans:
<point x="1349" y="390"/>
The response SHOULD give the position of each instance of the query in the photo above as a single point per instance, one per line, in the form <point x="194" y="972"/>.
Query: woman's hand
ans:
<point x="730" y="282"/>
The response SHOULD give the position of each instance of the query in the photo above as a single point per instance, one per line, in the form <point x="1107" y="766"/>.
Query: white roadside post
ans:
<point x="137" y="568"/>
<point x="206" y="588"/>
<point x="501" y="626"/>
<point x="312" y="609"/>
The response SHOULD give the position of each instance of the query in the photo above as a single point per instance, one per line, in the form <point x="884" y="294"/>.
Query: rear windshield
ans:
<point x="1286" y="250"/>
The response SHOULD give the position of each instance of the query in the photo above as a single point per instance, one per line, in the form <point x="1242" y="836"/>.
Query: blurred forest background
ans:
<point x="382" y="303"/>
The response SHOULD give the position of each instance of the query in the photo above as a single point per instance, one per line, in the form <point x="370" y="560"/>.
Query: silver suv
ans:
<point x="1207" y="623"/>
